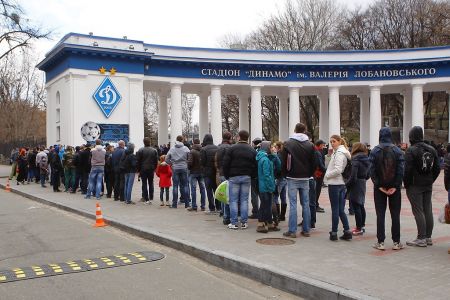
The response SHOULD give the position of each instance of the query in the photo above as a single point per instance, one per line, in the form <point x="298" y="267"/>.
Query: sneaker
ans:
<point x="347" y="236"/>
<point x="333" y="236"/>
<point x="379" y="246"/>
<point x="305" y="234"/>
<point x="262" y="228"/>
<point x="398" y="246"/>
<point x="131" y="202"/>
<point x="210" y="212"/>
<point x="192" y="209"/>
<point x="202" y="209"/>
<point x="167" y="203"/>
<point x="417" y="242"/>
<point x="429" y="241"/>
<point x="320" y="209"/>
<point x="357" y="231"/>
<point x="244" y="226"/>
<point x="148" y="202"/>
<point x="290" y="234"/>
<point x="233" y="226"/>
<point x="226" y="222"/>
<point x="87" y="197"/>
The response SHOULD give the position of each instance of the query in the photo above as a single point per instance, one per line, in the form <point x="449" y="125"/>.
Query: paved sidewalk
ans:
<point x="312" y="267"/>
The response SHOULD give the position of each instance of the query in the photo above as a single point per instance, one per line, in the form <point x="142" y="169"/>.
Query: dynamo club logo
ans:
<point x="107" y="97"/>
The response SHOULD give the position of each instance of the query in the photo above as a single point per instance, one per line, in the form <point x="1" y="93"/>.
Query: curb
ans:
<point x="296" y="284"/>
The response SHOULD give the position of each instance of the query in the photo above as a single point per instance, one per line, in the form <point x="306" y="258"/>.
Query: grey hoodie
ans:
<point x="177" y="156"/>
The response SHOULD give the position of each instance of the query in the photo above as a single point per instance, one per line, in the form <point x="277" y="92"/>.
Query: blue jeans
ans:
<point x="337" y="201"/>
<point x="194" y="178"/>
<point x="180" y="179"/>
<point x="147" y="181"/>
<point x="280" y="191"/>
<point x="95" y="181"/>
<point x="129" y="181"/>
<point x="301" y="186"/>
<point x="42" y="177"/>
<point x="239" y="188"/>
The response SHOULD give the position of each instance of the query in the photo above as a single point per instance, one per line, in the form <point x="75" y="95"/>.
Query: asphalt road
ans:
<point x="34" y="234"/>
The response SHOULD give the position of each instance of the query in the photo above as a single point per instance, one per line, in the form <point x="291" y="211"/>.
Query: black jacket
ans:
<point x="194" y="163"/>
<point x="356" y="183"/>
<point x="240" y="160"/>
<point x="220" y="154"/>
<point x="447" y="171"/>
<point x="208" y="155"/>
<point x="128" y="162"/>
<point x="385" y="139"/>
<point x="298" y="159"/>
<point x="84" y="159"/>
<point x="412" y="176"/>
<point x="147" y="159"/>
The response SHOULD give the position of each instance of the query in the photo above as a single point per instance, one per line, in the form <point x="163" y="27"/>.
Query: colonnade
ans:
<point x="289" y="112"/>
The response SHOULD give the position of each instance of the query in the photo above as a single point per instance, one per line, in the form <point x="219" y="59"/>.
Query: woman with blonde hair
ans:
<point x="336" y="187"/>
<point x="356" y="185"/>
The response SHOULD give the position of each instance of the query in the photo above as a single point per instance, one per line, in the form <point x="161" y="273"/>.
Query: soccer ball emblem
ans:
<point x="90" y="131"/>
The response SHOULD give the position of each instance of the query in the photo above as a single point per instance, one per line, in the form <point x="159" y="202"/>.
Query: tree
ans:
<point x="187" y="107"/>
<point x="16" y="31"/>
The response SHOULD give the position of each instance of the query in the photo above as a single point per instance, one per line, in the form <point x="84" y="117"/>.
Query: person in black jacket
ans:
<point x="57" y="169"/>
<point x="239" y="166"/>
<point x="421" y="170"/>
<point x="128" y="166"/>
<point x="84" y="167"/>
<point x="109" y="171"/>
<point x="386" y="171"/>
<point x="196" y="176"/>
<point x="298" y="164"/>
<point x="147" y="161"/>
<point x="356" y="185"/>
<point x="220" y="154"/>
<point x="208" y="155"/>
<point x="119" y="177"/>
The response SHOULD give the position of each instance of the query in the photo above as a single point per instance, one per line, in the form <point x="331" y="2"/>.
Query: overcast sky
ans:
<point x="197" y="23"/>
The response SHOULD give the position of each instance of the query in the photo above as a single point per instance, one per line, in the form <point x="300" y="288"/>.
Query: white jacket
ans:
<point x="337" y="164"/>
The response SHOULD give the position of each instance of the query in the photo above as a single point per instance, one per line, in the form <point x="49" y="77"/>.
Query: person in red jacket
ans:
<point x="164" y="172"/>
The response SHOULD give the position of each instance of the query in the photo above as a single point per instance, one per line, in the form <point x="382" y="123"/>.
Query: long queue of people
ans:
<point x="271" y="175"/>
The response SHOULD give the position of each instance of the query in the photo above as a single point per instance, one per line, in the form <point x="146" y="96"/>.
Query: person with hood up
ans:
<point x="177" y="158"/>
<point x="196" y="176"/>
<point x="56" y="168"/>
<point x="266" y="184"/>
<point x="336" y="187"/>
<point x="128" y="166"/>
<point x="421" y="170"/>
<point x="208" y="158"/>
<point x="164" y="172"/>
<point x="298" y="164"/>
<point x="356" y="185"/>
<point x="386" y="171"/>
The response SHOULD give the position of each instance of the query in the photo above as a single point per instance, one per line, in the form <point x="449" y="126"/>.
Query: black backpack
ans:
<point x="424" y="160"/>
<point x="386" y="165"/>
<point x="347" y="170"/>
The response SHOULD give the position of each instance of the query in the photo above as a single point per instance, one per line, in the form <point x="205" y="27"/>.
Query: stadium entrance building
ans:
<point x="95" y="86"/>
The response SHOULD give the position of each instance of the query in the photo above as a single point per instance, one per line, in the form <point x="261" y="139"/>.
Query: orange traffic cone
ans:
<point x="8" y="187"/>
<point x="99" y="222"/>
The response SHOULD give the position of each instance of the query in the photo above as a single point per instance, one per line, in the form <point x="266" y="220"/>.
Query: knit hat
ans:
<point x="265" y="146"/>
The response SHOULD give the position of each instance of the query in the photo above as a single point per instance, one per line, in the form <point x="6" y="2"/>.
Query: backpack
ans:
<point x="386" y="166"/>
<point x="424" y="160"/>
<point x="347" y="170"/>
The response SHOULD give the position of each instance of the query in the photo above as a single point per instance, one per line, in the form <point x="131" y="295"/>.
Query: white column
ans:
<point x="163" y="122"/>
<point x="256" y="110"/>
<point x="294" y="108"/>
<point x="203" y="122"/>
<point x="176" y="126"/>
<point x="364" y="118"/>
<point x="283" y="119"/>
<point x="406" y="115"/>
<point x="243" y="112"/>
<point x="375" y="115"/>
<point x="216" y="114"/>
<point x="334" y="117"/>
<point x="323" y="117"/>
<point x="417" y="118"/>
<point x="136" y="116"/>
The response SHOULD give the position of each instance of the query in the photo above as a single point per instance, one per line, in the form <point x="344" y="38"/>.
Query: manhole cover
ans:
<point x="275" y="241"/>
